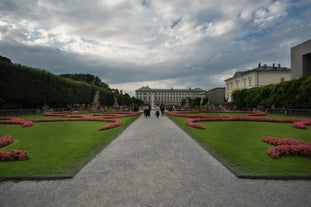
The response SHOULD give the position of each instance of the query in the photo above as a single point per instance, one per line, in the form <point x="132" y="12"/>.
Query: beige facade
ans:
<point x="166" y="96"/>
<point x="260" y="76"/>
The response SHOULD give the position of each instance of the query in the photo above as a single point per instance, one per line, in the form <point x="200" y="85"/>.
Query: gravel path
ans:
<point x="154" y="163"/>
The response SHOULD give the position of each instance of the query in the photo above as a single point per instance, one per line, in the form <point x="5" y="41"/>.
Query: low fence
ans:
<point x="293" y="112"/>
<point x="20" y="112"/>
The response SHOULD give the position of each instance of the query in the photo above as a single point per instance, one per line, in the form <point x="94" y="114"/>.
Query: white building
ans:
<point x="166" y="96"/>
<point x="260" y="76"/>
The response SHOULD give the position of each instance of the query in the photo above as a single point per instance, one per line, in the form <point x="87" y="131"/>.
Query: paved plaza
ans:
<point x="154" y="163"/>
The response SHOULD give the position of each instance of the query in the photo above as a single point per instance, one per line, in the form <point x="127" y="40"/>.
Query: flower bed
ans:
<point x="252" y="116"/>
<point x="191" y="123"/>
<point x="301" y="124"/>
<point x="110" y="126"/>
<point x="23" y="122"/>
<point x="68" y="116"/>
<point x="116" y="122"/>
<point x="285" y="141"/>
<point x="13" y="155"/>
<point x="287" y="146"/>
<point x="6" y="140"/>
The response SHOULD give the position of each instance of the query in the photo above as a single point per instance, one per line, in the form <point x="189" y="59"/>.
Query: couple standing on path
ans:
<point x="158" y="109"/>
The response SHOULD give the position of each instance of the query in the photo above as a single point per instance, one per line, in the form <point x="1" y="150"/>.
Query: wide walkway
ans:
<point x="154" y="163"/>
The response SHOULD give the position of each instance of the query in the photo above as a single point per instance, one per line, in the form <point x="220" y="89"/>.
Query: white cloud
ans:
<point x="266" y="16"/>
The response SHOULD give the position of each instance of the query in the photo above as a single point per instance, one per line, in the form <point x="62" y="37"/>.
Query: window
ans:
<point x="282" y="80"/>
<point x="250" y="81"/>
<point x="237" y="83"/>
<point x="244" y="82"/>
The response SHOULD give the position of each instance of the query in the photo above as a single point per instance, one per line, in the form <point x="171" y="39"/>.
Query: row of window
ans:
<point x="165" y="93"/>
<point x="239" y="84"/>
<point x="148" y="98"/>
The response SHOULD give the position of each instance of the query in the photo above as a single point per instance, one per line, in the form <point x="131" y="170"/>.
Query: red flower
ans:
<point x="287" y="146"/>
<point x="301" y="124"/>
<point x="13" y="155"/>
<point x="110" y="126"/>
<point x="6" y="140"/>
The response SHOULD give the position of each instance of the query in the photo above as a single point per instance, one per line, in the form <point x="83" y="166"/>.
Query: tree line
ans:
<point x="295" y="94"/>
<point x="27" y="87"/>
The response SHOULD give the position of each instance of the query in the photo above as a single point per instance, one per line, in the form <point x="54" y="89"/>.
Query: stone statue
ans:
<point x="115" y="104"/>
<point x="95" y="105"/>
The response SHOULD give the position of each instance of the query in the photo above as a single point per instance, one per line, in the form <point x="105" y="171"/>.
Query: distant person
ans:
<point x="146" y="112"/>
<point x="157" y="113"/>
<point x="162" y="108"/>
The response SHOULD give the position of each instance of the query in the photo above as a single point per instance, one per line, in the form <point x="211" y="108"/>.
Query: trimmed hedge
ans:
<point x="26" y="87"/>
<point x="289" y="94"/>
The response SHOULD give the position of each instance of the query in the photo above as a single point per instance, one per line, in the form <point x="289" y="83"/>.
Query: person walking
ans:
<point x="157" y="113"/>
<point x="147" y="111"/>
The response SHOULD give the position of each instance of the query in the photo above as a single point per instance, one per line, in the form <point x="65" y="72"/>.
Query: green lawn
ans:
<point x="56" y="149"/>
<point x="239" y="146"/>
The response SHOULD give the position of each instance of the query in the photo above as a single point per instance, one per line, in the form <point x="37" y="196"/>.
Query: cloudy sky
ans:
<point x="159" y="43"/>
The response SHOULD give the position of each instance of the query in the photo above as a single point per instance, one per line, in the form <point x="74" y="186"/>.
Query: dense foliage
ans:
<point x="289" y="94"/>
<point x="26" y="87"/>
<point x="87" y="78"/>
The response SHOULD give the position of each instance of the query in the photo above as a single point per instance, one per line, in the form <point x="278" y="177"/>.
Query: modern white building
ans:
<point x="167" y="97"/>
<point x="260" y="76"/>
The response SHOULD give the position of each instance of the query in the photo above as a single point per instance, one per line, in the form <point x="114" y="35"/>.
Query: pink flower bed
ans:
<point x="191" y="123"/>
<point x="13" y="155"/>
<point x="6" y="140"/>
<point x="116" y="122"/>
<point x="285" y="141"/>
<point x="287" y="146"/>
<point x="301" y="124"/>
<point x="68" y="116"/>
<point x="110" y="126"/>
<point x="253" y="116"/>
<point x="23" y="122"/>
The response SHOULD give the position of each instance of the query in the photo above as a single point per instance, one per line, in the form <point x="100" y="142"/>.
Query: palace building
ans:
<point x="260" y="76"/>
<point x="166" y="96"/>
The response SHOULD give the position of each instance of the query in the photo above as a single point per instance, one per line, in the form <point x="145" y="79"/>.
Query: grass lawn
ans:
<point x="56" y="149"/>
<point x="239" y="146"/>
